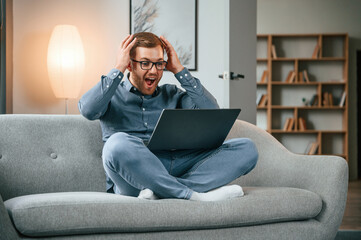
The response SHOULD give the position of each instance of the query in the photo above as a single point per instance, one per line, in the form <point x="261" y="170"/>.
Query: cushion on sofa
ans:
<point x="94" y="212"/>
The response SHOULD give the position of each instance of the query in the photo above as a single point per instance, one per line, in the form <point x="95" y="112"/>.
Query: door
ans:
<point x="227" y="43"/>
<point x="242" y="58"/>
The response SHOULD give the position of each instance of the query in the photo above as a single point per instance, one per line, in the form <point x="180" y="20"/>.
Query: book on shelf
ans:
<point x="302" y="124"/>
<point x="316" y="51"/>
<point x="312" y="148"/>
<point x="264" y="77"/>
<point x="343" y="99"/>
<point x="300" y="77"/>
<point x="291" y="77"/>
<point x="327" y="99"/>
<point x="259" y="96"/>
<point x="314" y="100"/>
<point x="262" y="100"/>
<point x="305" y="76"/>
<point x="274" y="54"/>
<point x="330" y="99"/>
<point x="289" y="124"/>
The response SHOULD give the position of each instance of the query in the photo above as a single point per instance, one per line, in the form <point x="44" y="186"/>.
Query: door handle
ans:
<point x="231" y="76"/>
<point x="236" y="76"/>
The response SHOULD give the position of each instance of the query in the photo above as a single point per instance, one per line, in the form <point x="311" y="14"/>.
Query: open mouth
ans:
<point x="150" y="82"/>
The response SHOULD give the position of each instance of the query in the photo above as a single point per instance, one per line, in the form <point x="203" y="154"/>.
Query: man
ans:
<point x="128" y="108"/>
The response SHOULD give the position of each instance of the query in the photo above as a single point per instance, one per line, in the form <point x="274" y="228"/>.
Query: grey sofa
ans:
<point x="52" y="186"/>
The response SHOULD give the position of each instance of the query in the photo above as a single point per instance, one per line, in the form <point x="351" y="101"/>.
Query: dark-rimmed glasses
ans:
<point x="146" y="65"/>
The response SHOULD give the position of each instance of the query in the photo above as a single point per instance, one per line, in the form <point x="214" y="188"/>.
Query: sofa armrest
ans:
<point x="7" y="230"/>
<point x="277" y="167"/>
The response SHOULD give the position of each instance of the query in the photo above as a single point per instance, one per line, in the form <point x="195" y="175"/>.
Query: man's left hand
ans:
<point x="173" y="64"/>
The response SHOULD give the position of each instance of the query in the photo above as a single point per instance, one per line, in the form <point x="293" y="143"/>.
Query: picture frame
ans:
<point x="175" y="20"/>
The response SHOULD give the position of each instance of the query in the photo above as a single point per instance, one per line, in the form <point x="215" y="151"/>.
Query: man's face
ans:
<point x="146" y="81"/>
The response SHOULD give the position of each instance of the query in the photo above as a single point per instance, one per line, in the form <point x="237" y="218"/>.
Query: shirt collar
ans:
<point x="130" y="88"/>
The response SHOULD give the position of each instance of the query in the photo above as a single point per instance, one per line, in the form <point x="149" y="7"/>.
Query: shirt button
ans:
<point x="181" y="77"/>
<point x="119" y="76"/>
<point x="115" y="74"/>
<point x="107" y="86"/>
<point x="143" y="109"/>
<point x="145" y="124"/>
<point x="186" y="74"/>
<point x="195" y="86"/>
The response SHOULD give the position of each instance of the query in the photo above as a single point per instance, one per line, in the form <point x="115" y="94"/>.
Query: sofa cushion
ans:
<point x="94" y="212"/>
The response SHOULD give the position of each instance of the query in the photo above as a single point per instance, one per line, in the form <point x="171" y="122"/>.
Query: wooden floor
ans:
<point x="352" y="217"/>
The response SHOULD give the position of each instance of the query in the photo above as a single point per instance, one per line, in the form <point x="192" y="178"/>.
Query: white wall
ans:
<point x="321" y="16"/>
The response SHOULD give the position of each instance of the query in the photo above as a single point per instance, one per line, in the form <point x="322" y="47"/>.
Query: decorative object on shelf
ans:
<point x="311" y="102"/>
<point x="65" y="62"/>
<point x="305" y="102"/>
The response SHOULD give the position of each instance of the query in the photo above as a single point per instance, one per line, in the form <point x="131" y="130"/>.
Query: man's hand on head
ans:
<point x="123" y="55"/>
<point x="173" y="65"/>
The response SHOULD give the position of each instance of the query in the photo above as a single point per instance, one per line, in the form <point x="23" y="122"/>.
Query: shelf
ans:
<point x="308" y="107"/>
<point x="305" y="83"/>
<point x="262" y="59"/>
<point x="294" y="131"/>
<point x="322" y="60"/>
<point x="307" y="131"/>
<point x="281" y="59"/>
<point x="295" y="83"/>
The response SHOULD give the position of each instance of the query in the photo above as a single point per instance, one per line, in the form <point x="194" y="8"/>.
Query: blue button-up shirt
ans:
<point x="122" y="108"/>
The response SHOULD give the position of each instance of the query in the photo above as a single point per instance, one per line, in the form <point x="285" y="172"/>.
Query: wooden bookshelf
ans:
<point x="313" y="93"/>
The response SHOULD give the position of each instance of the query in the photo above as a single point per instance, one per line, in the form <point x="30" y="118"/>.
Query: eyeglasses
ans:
<point x="146" y="65"/>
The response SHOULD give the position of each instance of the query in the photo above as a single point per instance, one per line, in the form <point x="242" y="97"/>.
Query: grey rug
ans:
<point x="348" y="235"/>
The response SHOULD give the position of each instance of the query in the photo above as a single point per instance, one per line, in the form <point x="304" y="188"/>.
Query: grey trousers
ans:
<point x="131" y="167"/>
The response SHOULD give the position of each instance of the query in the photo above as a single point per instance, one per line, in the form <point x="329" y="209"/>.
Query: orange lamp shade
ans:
<point x="65" y="61"/>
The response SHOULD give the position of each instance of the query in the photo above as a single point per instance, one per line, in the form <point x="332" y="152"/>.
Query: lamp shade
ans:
<point x="65" y="61"/>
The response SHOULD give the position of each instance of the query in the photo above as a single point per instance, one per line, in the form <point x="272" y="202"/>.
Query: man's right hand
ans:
<point x="123" y="55"/>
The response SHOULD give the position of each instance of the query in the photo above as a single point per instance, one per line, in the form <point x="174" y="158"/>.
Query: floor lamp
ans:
<point x="65" y="62"/>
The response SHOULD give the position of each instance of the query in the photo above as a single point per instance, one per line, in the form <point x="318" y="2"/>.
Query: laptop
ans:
<point x="180" y="129"/>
